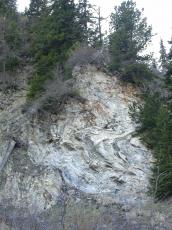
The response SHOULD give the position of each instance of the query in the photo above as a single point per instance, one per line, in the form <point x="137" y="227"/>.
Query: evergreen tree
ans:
<point x="156" y="128"/>
<point x="90" y="23"/>
<point x="36" y="8"/>
<point x="65" y="28"/>
<point x="8" y="17"/>
<point x="9" y="39"/>
<point x="84" y="16"/>
<point x="7" y="7"/>
<point x="163" y="56"/>
<point x="154" y="64"/>
<point x="130" y="34"/>
<point x="53" y="35"/>
<point x="169" y="56"/>
<point x="169" y="69"/>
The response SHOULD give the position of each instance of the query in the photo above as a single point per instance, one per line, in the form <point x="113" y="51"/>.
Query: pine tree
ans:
<point x="156" y="125"/>
<point x="9" y="17"/>
<point x="154" y="64"/>
<point x="163" y="56"/>
<point x="55" y="31"/>
<point x="4" y="51"/>
<point x="65" y="28"/>
<point x="36" y="8"/>
<point x="168" y="73"/>
<point x="53" y="35"/>
<point x="9" y="39"/>
<point x="90" y="23"/>
<point x="7" y="7"/>
<point x="130" y="34"/>
<point x="84" y="16"/>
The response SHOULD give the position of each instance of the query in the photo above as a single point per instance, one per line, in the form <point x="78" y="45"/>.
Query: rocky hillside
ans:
<point x="83" y="160"/>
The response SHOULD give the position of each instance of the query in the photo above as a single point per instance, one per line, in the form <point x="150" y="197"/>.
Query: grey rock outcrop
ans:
<point x="6" y="149"/>
<point x="88" y="146"/>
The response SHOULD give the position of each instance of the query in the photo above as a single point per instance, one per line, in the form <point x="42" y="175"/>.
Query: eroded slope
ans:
<point x="88" y="146"/>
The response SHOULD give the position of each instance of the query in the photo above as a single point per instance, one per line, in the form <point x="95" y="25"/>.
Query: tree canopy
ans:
<point x="130" y="34"/>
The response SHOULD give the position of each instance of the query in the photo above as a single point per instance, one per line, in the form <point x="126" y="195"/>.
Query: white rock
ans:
<point x="136" y="142"/>
<point x="82" y="147"/>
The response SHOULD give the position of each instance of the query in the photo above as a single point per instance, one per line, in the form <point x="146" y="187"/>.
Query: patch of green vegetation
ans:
<point x="155" y="118"/>
<point x="137" y="73"/>
<point x="36" y="86"/>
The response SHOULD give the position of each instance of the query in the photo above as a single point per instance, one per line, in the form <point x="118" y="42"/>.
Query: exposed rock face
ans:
<point x="88" y="146"/>
<point x="5" y="150"/>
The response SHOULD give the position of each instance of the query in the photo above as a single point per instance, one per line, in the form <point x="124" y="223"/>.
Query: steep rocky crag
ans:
<point x="85" y="154"/>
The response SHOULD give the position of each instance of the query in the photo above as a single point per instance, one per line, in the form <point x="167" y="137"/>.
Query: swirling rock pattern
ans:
<point x="87" y="146"/>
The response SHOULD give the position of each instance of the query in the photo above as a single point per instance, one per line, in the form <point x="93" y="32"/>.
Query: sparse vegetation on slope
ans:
<point x="155" y="117"/>
<point x="64" y="34"/>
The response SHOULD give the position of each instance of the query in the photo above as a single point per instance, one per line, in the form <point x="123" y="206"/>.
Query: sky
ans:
<point x="158" y="13"/>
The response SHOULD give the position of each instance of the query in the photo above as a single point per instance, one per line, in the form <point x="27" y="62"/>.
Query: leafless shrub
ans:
<point x="86" y="55"/>
<point x="57" y="91"/>
<point x="81" y="56"/>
